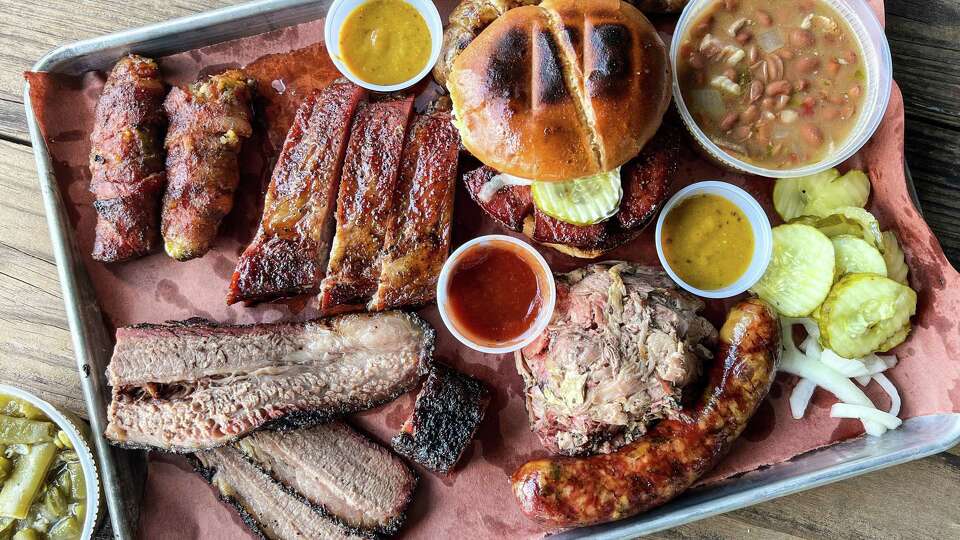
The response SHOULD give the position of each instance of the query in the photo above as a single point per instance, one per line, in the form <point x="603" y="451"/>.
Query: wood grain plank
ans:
<point x="908" y="501"/>
<point x="29" y="30"/>
<point x="35" y="351"/>
<point x="35" y="347"/>
<point x="924" y="40"/>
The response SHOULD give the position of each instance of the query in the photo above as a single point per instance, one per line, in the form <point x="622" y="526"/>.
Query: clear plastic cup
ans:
<point x="74" y="429"/>
<point x="879" y="65"/>
<point x="759" y="224"/>
<point x="548" y="294"/>
<point x="341" y="9"/>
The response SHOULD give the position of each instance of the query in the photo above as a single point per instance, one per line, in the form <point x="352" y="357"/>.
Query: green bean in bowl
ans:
<point x="48" y="482"/>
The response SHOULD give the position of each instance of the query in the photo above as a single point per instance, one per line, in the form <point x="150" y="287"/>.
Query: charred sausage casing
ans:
<point x="571" y="492"/>
<point x="208" y="122"/>
<point x="126" y="160"/>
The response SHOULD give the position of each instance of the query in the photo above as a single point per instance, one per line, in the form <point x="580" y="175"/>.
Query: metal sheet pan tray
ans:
<point x="917" y="438"/>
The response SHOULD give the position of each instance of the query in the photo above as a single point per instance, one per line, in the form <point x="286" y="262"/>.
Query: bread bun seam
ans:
<point x="573" y="77"/>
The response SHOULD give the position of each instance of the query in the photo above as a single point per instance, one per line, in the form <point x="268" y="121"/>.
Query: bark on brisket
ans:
<point x="185" y="387"/>
<point x="270" y="510"/>
<point x="344" y="475"/>
<point x="446" y="415"/>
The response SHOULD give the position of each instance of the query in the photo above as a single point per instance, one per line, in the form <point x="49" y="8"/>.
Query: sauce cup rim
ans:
<point x="80" y="445"/>
<point x="543" y="317"/>
<point x="869" y="33"/>
<point x="337" y="14"/>
<point x="760" y="225"/>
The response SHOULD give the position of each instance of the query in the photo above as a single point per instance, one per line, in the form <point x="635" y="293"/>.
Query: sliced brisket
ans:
<point x="349" y="478"/>
<point x="365" y="205"/>
<point x="445" y="417"/>
<point x="265" y="505"/>
<point x="194" y="385"/>
<point x="288" y="256"/>
<point x="418" y="240"/>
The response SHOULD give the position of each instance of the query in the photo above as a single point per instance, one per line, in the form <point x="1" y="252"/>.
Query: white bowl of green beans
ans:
<point x="49" y="486"/>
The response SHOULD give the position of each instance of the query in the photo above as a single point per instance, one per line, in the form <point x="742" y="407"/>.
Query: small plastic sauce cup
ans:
<point x="337" y="15"/>
<point x="759" y="225"/>
<point x="877" y="61"/>
<point x="548" y="294"/>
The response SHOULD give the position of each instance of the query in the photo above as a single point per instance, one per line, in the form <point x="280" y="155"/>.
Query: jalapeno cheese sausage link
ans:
<point x="569" y="492"/>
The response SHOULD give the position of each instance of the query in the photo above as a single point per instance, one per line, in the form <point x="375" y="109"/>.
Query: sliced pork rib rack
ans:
<point x="448" y="411"/>
<point x="288" y="256"/>
<point x="265" y="505"/>
<point x="346" y="477"/>
<point x="195" y="385"/>
<point x="365" y="204"/>
<point x="418" y="238"/>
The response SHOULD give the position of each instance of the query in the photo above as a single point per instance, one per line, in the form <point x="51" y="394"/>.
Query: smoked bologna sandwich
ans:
<point x="562" y="102"/>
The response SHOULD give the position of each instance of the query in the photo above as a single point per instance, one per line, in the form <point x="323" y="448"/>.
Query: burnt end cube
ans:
<point x="448" y="411"/>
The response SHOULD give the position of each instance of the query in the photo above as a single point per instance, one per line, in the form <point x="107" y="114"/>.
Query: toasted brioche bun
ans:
<point x="566" y="89"/>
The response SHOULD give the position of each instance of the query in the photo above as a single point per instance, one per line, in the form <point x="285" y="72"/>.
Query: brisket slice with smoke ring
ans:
<point x="194" y="385"/>
<point x="349" y="479"/>
<point x="270" y="510"/>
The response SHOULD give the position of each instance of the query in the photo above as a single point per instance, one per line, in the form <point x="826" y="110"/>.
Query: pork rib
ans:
<point x="195" y="385"/>
<point x="348" y="478"/>
<point x="288" y="256"/>
<point x="365" y="205"/>
<point x="264" y="505"/>
<point x="419" y="239"/>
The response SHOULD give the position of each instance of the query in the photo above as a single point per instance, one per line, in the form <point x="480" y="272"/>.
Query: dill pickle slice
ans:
<point x="866" y="313"/>
<point x="583" y="201"/>
<point x="856" y="256"/>
<point x="848" y="220"/>
<point x="851" y="189"/>
<point x="893" y="256"/>
<point x="820" y="193"/>
<point x="800" y="272"/>
<point x="791" y="195"/>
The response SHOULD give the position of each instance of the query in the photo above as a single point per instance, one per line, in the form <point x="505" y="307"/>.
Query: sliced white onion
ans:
<point x="847" y="367"/>
<point x="498" y="182"/>
<point x="889" y="359"/>
<point x="865" y="414"/>
<point x="800" y="397"/>
<point x="891" y="391"/>
<point x="863" y="380"/>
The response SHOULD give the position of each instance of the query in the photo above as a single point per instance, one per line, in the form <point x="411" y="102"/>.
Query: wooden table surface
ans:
<point x="916" y="500"/>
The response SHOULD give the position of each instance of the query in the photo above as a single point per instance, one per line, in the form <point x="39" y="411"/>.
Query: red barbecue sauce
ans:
<point x="494" y="293"/>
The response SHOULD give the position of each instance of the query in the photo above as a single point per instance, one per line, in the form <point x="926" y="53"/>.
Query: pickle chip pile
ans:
<point x="832" y="262"/>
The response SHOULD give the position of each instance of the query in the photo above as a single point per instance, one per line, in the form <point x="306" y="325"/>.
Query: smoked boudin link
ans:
<point x="571" y="492"/>
<point x="126" y="161"/>
<point x="208" y="122"/>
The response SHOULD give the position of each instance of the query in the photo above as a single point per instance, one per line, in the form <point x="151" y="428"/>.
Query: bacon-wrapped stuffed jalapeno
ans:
<point x="208" y="122"/>
<point x="126" y="160"/>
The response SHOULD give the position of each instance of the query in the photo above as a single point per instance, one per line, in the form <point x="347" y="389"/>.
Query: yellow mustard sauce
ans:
<point x="385" y="42"/>
<point x="708" y="241"/>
